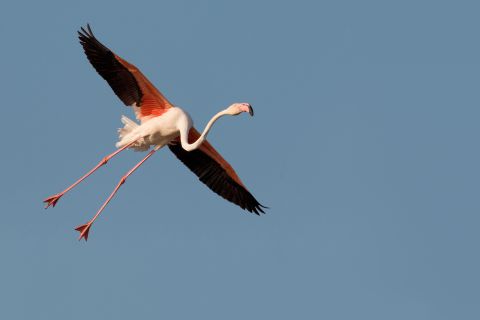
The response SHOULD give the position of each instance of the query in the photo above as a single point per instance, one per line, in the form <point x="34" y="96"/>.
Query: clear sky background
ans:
<point x="364" y="144"/>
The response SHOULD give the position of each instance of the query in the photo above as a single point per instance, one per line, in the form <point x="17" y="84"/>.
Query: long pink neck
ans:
<point x="192" y="146"/>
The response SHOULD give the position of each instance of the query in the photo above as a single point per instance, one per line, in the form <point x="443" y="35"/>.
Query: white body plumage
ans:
<point x="157" y="131"/>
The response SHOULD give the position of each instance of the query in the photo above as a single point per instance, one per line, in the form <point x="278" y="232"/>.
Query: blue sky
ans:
<point x="364" y="145"/>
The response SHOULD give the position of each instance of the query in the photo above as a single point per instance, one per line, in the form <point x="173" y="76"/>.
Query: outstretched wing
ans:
<point x="216" y="173"/>
<point x="128" y="83"/>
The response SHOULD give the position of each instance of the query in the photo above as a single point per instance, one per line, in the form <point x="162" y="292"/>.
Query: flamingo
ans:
<point x="161" y="124"/>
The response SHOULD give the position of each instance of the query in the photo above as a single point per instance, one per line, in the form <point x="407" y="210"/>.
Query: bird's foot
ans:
<point x="84" y="229"/>
<point x="52" y="201"/>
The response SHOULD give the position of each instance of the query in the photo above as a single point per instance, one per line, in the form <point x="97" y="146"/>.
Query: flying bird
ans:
<point x="160" y="124"/>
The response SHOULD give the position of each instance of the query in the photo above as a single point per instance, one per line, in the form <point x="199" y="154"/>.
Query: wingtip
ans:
<point x="89" y="29"/>
<point x="258" y="209"/>
<point x="86" y="31"/>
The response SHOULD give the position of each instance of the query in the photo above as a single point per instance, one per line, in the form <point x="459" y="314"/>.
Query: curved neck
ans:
<point x="192" y="146"/>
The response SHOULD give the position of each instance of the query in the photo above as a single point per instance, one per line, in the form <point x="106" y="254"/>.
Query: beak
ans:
<point x="250" y="110"/>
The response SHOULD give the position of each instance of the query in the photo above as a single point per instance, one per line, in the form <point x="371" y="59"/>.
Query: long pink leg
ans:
<point x="85" y="228"/>
<point x="52" y="201"/>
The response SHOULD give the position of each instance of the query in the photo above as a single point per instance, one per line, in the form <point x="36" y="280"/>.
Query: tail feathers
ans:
<point x="125" y="135"/>
<point x="129" y="125"/>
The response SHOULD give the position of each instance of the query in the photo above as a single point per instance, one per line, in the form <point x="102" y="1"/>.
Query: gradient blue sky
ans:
<point x="364" y="145"/>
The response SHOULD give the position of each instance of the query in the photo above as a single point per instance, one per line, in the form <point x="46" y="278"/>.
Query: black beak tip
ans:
<point x="250" y="110"/>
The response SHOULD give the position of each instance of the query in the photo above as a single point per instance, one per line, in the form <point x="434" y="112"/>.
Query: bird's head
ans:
<point x="237" y="108"/>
